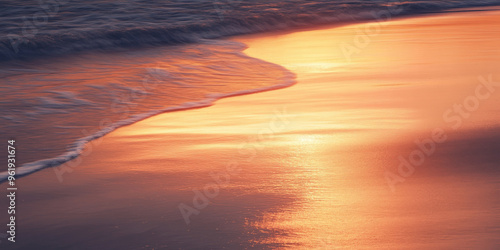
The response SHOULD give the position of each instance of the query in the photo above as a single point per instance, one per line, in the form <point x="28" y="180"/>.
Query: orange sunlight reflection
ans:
<point x="344" y="124"/>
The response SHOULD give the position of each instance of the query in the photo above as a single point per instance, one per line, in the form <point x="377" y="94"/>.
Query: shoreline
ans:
<point x="309" y="158"/>
<point x="367" y="21"/>
<point x="81" y="143"/>
<point x="32" y="167"/>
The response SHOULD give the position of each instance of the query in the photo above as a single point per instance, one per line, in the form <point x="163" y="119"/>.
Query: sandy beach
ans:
<point x="388" y="140"/>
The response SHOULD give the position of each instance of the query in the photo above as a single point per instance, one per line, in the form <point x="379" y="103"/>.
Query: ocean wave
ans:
<point x="87" y="32"/>
<point x="79" y="146"/>
<point x="55" y="120"/>
<point x="104" y="25"/>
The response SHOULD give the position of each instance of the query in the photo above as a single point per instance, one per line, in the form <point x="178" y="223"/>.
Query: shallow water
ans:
<point x="303" y="167"/>
<point x="52" y="109"/>
<point x="57" y="99"/>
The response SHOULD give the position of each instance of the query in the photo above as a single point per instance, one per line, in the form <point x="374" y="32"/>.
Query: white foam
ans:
<point x="28" y="168"/>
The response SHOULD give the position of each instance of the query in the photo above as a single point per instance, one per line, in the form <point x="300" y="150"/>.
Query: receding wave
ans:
<point x="79" y="145"/>
<point x="74" y="101"/>
<point x="54" y="109"/>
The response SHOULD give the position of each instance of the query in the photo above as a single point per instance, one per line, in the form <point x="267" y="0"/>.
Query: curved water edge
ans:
<point x="78" y="147"/>
<point x="192" y="33"/>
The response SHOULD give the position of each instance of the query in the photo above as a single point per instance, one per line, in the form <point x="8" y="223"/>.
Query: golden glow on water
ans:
<point x="322" y="175"/>
<point x="340" y="199"/>
<point x="313" y="156"/>
<point x="309" y="160"/>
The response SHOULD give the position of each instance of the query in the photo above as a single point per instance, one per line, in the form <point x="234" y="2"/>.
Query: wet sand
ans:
<point x="330" y="162"/>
